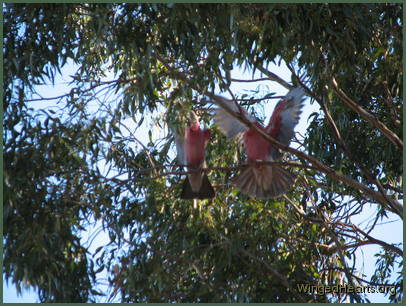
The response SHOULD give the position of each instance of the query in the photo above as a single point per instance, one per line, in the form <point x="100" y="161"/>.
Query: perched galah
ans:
<point x="191" y="152"/>
<point x="260" y="180"/>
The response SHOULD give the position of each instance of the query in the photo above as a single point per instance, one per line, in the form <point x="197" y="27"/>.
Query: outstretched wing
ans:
<point x="285" y="117"/>
<point x="180" y="147"/>
<point x="227" y="124"/>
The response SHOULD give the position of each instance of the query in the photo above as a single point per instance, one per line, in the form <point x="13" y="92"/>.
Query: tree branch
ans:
<point x="273" y="77"/>
<point x="259" y="99"/>
<point x="367" y="116"/>
<point x="83" y="90"/>
<point x="208" y="169"/>
<point x="249" y="81"/>
<point x="380" y="242"/>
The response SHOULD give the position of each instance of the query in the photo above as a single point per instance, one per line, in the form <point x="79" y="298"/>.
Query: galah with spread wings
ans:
<point x="191" y="152"/>
<point x="263" y="181"/>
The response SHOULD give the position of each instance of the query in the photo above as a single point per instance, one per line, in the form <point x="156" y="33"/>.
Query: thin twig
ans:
<point x="273" y="77"/>
<point x="248" y="81"/>
<point x="380" y="242"/>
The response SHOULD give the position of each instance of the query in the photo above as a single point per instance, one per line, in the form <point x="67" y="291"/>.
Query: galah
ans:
<point x="191" y="152"/>
<point x="257" y="180"/>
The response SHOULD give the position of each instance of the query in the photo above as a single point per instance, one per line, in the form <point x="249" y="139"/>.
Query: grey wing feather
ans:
<point x="227" y="124"/>
<point x="290" y="115"/>
<point x="180" y="148"/>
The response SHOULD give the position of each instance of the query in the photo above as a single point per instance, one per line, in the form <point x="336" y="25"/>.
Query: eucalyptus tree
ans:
<point x="81" y="160"/>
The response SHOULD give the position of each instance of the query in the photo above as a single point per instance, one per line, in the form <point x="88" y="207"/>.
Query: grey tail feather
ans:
<point x="264" y="182"/>
<point x="206" y="190"/>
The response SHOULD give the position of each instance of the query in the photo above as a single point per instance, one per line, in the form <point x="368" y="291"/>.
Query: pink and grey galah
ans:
<point x="191" y="152"/>
<point x="258" y="180"/>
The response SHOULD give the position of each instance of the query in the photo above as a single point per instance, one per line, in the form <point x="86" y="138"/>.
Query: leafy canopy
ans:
<point x="77" y="159"/>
